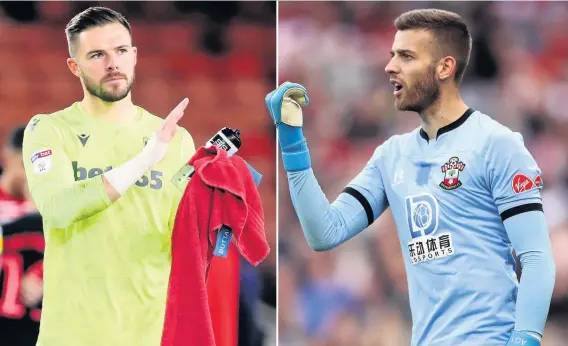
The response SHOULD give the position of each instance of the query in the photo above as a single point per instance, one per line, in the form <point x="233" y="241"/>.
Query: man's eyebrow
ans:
<point x="100" y="50"/>
<point x="402" y="51"/>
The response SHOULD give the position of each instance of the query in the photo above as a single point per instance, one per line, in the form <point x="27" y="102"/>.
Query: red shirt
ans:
<point x="12" y="208"/>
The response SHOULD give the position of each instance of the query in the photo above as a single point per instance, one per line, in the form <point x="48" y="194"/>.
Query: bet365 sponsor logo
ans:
<point x="153" y="179"/>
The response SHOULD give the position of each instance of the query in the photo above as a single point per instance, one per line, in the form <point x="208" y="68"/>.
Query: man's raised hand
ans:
<point x="168" y="129"/>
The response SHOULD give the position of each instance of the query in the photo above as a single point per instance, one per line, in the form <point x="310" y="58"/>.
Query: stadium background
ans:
<point x="356" y="294"/>
<point x="221" y="55"/>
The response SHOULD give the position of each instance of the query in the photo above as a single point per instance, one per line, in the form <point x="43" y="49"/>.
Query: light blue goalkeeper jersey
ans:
<point x="451" y="198"/>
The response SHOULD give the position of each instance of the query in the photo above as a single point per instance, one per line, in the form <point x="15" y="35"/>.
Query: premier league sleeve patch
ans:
<point x="42" y="161"/>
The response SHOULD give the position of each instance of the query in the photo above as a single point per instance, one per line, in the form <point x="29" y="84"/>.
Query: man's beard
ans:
<point x="97" y="89"/>
<point x="424" y="94"/>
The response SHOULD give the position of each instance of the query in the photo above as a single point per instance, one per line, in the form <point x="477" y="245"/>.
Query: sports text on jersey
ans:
<point x="422" y="216"/>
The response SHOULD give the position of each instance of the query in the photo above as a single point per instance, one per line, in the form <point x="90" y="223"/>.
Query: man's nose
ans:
<point x="391" y="68"/>
<point x="112" y="63"/>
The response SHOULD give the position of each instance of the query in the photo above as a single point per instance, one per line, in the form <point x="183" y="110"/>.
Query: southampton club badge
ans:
<point x="451" y="170"/>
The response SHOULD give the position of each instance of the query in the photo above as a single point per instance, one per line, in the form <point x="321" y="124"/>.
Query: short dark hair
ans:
<point x="16" y="138"/>
<point x="89" y="18"/>
<point x="449" y="29"/>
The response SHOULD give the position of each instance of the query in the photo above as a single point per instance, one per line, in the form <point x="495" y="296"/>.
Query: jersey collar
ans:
<point x="449" y="127"/>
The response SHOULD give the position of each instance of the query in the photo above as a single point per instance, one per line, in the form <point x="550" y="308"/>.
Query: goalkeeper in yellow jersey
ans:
<point x="100" y="174"/>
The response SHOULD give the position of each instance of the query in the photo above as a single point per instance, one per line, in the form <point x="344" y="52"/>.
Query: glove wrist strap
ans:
<point x="521" y="338"/>
<point x="289" y="135"/>
<point x="295" y="153"/>
<point x="296" y="161"/>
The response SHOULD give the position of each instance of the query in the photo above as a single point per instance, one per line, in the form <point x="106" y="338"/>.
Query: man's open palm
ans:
<point x="168" y="129"/>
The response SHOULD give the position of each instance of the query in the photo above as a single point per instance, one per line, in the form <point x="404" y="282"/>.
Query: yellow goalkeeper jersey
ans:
<point x="106" y="266"/>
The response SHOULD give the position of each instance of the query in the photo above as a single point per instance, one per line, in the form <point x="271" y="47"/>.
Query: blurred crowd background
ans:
<point x="219" y="54"/>
<point x="357" y="294"/>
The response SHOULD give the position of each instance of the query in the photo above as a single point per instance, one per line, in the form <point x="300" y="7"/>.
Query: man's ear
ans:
<point x="73" y="67"/>
<point x="135" y="50"/>
<point x="446" y="68"/>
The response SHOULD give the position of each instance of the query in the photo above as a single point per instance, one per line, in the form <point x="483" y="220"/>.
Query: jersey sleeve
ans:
<point x="530" y="238"/>
<point x="326" y="225"/>
<point x="187" y="150"/>
<point x="60" y="200"/>
<point x="513" y="175"/>
<point x="44" y="158"/>
<point x="368" y="188"/>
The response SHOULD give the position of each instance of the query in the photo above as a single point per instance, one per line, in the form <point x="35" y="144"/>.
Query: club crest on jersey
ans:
<point x="451" y="170"/>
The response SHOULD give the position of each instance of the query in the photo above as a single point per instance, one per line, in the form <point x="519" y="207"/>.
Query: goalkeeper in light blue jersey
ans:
<point x="463" y="189"/>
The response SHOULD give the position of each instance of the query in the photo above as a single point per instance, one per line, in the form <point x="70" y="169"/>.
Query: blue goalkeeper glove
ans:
<point x="522" y="339"/>
<point x="285" y="106"/>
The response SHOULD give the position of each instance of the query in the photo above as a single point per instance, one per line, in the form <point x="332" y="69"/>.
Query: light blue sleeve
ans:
<point x="513" y="175"/>
<point x="529" y="236"/>
<point x="515" y="181"/>
<point x="326" y="225"/>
